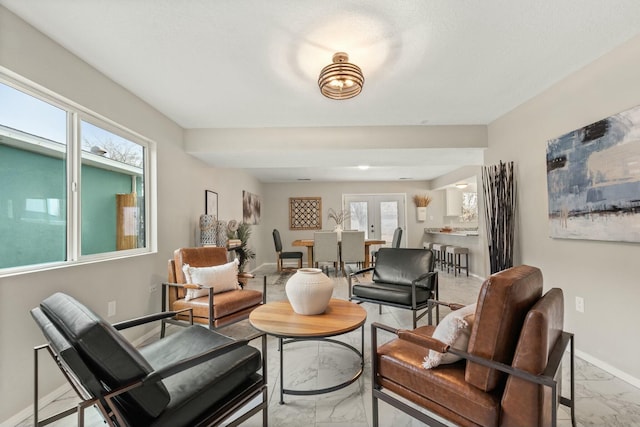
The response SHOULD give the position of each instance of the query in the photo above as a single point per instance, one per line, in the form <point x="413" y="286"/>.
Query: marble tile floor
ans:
<point x="602" y="399"/>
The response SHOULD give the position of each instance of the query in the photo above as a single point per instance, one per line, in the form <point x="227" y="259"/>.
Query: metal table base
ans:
<point x="282" y="341"/>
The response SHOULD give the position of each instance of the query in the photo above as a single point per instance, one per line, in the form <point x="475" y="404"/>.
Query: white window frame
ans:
<point x="75" y="114"/>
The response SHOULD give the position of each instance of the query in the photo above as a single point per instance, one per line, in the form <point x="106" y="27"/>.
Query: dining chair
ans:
<point x="395" y="243"/>
<point x="277" y="242"/>
<point x="325" y="248"/>
<point x="352" y="248"/>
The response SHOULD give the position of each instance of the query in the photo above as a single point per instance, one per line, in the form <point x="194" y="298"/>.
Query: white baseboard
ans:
<point x="608" y="368"/>
<point x="63" y="389"/>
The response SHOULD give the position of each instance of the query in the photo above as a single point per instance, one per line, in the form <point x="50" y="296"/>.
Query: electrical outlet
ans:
<point x="111" y="309"/>
<point x="153" y="288"/>
<point x="580" y="304"/>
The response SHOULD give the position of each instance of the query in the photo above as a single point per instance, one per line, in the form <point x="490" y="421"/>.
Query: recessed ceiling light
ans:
<point x="363" y="167"/>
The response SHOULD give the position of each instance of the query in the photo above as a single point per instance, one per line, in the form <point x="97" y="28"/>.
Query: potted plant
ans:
<point x="339" y="217"/>
<point x="241" y="232"/>
<point x="421" y="201"/>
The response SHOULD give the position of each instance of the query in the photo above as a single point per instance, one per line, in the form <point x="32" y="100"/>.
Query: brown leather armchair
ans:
<point x="510" y="374"/>
<point x="214" y="310"/>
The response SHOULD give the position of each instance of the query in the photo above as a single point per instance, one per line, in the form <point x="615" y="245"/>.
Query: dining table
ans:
<point x="309" y="245"/>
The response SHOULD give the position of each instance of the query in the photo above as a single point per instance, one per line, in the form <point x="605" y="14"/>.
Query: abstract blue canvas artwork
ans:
<point x="593" y="180"/>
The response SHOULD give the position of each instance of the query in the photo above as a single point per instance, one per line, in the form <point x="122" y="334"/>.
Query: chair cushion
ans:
<point x="401" y="266"/>
<point x="503" y="302"/>
<point x="397" y="294"/>
<point x="204" y="386"/>
<point x="453" y="330"/>
<point x="525" y="403"/>
<point x="111" y="358"/>
<point x="291" y="255"/>
<point x="224" y="304"/>
<point x="67" y="354"/>
<point x="441" y="390"/>
<point x="197" y="257"/>
<point x="221" y="278"/>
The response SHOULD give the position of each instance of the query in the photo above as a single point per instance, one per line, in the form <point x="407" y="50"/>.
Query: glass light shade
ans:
<point x="341" y="80"/>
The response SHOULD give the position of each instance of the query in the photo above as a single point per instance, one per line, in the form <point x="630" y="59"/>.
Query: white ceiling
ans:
<point x="255" y="63"/>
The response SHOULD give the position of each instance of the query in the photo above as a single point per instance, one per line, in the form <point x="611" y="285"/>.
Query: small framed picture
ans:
<point x="211" y="203"/>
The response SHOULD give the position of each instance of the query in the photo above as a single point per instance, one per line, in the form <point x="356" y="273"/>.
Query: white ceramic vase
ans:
<point x="338" y="230"/>
<point x="309" y="291"/>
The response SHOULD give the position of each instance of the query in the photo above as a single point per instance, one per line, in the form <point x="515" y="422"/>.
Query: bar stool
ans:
<point x="449" y="257"/>
<point x="454" y="257"/>
<point x="439" y="250"/>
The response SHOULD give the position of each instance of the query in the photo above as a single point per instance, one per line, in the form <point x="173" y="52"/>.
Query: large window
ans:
<point x="73" y="186"/>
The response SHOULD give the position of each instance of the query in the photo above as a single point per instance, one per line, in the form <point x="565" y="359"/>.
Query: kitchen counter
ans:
<point x="454" y="232"/>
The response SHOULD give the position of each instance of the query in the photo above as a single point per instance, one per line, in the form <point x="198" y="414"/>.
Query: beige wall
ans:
<point x="605" y="274"/>
<point x="276" y="209"/>
<point x="181" y="180"/>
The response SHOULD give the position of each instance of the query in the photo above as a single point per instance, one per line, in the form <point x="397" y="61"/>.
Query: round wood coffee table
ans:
<point x="278" y="319"/>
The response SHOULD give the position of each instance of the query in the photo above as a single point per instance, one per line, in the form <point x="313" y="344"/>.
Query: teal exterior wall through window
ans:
<point x="99" y="189"/>
<point x="33" y="207"/>
<point x="33" y="223"/>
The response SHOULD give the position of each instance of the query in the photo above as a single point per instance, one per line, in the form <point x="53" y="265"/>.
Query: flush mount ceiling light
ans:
<point x="341" y="80"/>
<point x="461" y="185"/>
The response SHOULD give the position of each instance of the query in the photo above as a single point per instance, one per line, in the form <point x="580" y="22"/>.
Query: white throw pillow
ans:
<point x="454" y="330"/>
<point x="221" y="278"/>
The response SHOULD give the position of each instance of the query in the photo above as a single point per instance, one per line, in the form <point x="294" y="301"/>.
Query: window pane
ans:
<point x="388" y="220"/>
<point x="469" y="207"/>
<point x="33" y="217"/>
<point x="112" y="196"/>
<point x="359" y="217"/>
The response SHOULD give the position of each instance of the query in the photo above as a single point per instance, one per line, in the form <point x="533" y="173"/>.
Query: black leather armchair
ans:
<point x="401" y="278"/>
<point x="193" y="377"/>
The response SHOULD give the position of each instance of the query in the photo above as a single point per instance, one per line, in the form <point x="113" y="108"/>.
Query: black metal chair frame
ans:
<point x="547" y="378"/>
<point x="415" y="306"/>
<point x="108" y="409"/>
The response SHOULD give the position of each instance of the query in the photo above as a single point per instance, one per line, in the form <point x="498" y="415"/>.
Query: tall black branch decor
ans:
<point x="500" y="209"/>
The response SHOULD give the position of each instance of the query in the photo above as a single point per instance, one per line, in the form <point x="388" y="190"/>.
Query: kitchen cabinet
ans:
<point x="453" y="202"/>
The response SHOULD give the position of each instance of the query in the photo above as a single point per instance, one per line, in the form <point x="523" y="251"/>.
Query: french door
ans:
<point x="378" y="215"/>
